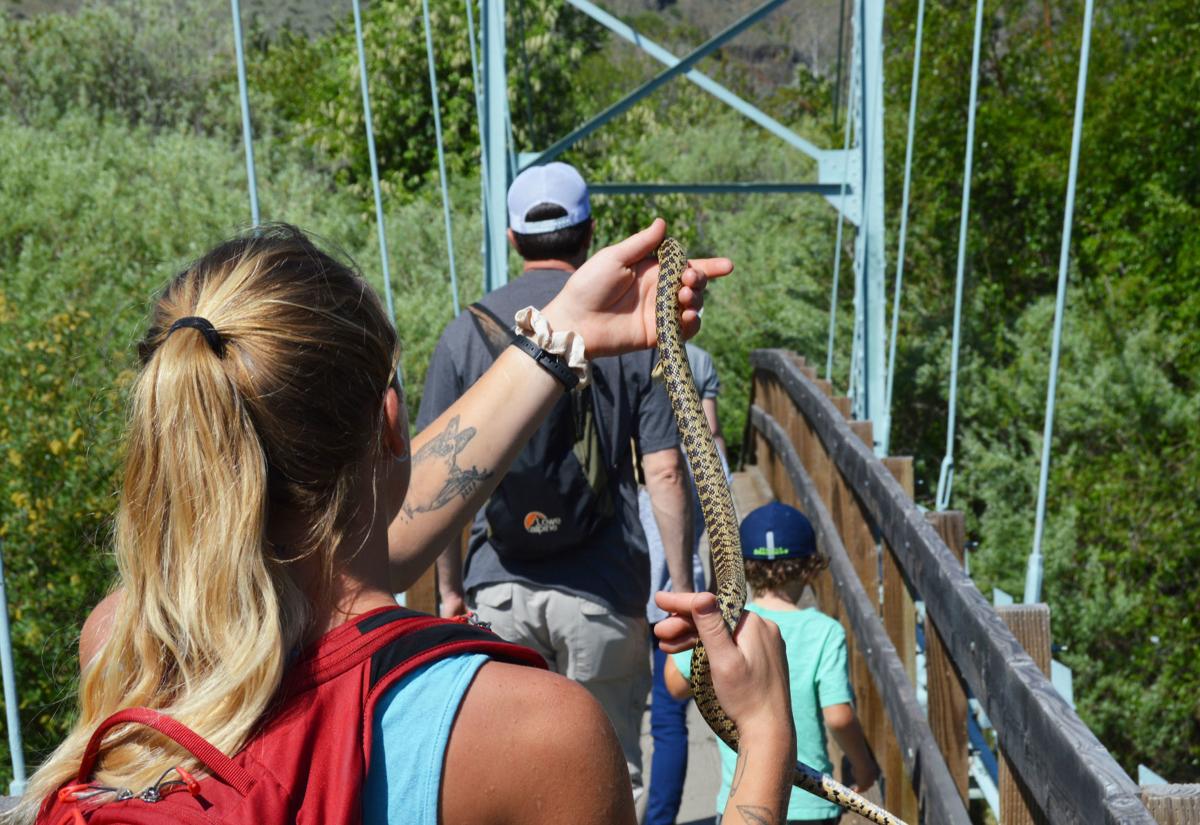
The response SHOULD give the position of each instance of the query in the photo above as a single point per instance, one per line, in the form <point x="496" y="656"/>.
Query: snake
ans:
<point x="720" y="518"/>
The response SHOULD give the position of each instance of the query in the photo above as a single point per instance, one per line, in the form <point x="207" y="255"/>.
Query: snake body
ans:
<point x="720" y="518"/>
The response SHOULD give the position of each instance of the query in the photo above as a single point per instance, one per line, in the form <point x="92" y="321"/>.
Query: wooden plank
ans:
<point x="820" y="469"/>
<point x="1173" y="804"/>
<point x="1030" y="623"/>
<point x="937" y="794"/>
<point x="900" y="622"/>
<point x="842" y="404"/>
<point x="947" y="694"/>
<point x="1072" y="777"/>
<point x="860" y="543"/>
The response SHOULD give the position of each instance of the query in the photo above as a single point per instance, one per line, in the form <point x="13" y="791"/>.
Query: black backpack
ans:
<point x="556" y="493"/>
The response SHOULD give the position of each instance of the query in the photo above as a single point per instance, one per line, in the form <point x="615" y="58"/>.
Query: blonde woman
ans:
<point x="272" y="502"/>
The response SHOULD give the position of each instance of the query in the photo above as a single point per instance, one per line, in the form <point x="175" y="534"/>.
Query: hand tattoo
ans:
<point x="460" y="482"/>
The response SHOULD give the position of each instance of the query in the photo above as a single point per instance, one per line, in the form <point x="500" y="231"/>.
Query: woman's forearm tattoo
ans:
<point x="460" y="482"/>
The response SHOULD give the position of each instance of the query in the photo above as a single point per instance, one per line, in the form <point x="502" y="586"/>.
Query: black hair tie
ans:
<point x="215" y="341"/>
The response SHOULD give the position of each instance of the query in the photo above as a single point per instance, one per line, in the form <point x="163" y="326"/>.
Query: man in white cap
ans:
<point x="557" y="559"/>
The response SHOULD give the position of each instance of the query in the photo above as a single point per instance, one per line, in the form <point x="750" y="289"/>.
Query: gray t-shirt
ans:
<point x="612" y="568"/>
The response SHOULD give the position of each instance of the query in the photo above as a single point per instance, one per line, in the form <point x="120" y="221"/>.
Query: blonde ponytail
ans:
<point x="267" y="407"/>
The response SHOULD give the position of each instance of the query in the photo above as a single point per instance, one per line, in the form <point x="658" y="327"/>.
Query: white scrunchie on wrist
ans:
<point x="566" y="345"/>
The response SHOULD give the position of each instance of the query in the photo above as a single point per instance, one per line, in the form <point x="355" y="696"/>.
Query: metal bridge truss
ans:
<point x="850" y="178"/>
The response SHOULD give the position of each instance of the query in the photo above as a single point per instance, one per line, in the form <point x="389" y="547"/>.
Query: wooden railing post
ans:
<point x="1173" y="804"/>
<point x="947" y="695"/>
<point x="422" y="594"/>
<point x="900" y="621"/>
<point x="1030" y="623"/>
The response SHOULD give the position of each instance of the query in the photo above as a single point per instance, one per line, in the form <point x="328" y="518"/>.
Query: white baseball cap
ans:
<point x="555" y="183"/>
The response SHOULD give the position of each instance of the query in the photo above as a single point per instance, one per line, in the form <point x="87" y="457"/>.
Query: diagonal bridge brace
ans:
<point x="651" y="85"/>
<point x="697" y="77"/>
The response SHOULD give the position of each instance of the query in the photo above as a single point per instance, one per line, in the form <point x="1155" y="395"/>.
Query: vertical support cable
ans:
<point x="247" y="139"/>
<point x="837" y="84"/>
<point x="11" y="708"/>
<point x="366" y="97"/>
<point x="477" y="80"/>
<point x="946" y="476"/>
<point x="1033" y="573"/>
<point x="885" y="436"/>
<point x="437" y="128"/>
<point x="837" y="244"/>
<point x="526" y="86"/>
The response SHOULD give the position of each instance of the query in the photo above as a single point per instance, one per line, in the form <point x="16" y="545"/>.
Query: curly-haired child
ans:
<point x="780" y="552"/>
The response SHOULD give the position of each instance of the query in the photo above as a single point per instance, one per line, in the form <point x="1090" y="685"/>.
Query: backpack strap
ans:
<point x="395" y="637"/>
<point x="495" y="333"/>
<point x="220" y="765"/>
<point x="403" y="653"/>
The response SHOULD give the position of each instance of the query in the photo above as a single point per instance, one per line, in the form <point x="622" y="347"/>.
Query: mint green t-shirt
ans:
<point x="816" y="654"/>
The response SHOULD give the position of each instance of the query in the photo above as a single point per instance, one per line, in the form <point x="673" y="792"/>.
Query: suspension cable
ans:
<point x="477" y="81"/>
<point x="837" y="244"/>
<point x="946" y="476"/>
<point x="885" y="436"/>
<point x="247" y="139"/>
<point x="366" y="96"/>
<point x="837" y="84"/>
<point x="437" y="128"/>
<point x="11" y="707"/>
<point x="1033" y="573"/>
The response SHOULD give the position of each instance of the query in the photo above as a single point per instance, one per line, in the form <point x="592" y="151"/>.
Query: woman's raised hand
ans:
<point x="749" y="668"/>
<point x="609" y="300"/>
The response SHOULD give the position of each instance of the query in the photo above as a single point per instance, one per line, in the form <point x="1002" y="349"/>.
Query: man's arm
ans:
<point x="714" y="424"/>
<point x="452" y="598"/>
<point x="666" y="482"/>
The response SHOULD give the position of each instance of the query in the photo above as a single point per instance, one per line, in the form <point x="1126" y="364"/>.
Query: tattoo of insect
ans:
<point x="460" y="482"/>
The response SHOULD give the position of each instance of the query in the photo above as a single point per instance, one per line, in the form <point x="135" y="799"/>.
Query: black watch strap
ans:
<point x="548" y="361"/>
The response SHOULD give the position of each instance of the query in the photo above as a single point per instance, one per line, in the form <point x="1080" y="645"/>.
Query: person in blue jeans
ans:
<point x="668" y="715"/>
<point x="780" y="553"/>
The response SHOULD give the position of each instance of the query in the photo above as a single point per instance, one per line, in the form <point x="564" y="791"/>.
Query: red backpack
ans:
<point x="309" y="761"/>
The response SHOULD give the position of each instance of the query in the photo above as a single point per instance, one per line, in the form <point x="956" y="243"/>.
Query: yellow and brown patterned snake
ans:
<point x="721" y="520"/>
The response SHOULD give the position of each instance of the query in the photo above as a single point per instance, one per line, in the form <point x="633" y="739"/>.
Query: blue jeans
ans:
<point x="668" y="767"/>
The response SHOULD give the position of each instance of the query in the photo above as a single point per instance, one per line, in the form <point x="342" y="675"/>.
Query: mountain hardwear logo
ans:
<point x="539" y="523"/>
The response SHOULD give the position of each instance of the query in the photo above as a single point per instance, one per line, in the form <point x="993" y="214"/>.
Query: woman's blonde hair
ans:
<point x="275" y="414"/>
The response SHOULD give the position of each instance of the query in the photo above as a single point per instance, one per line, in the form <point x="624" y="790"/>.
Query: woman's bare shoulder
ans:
<point x="530" y="746"/>
<point x="97" y="627"/>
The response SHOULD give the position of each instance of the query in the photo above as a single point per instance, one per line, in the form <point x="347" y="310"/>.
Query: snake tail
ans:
<point x="720" y="517"/>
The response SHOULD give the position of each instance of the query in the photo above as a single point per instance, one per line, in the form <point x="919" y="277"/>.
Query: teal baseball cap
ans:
<point x="776" y="531"/>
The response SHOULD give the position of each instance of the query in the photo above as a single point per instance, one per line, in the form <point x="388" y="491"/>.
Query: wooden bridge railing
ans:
<point x="817" y="459"/>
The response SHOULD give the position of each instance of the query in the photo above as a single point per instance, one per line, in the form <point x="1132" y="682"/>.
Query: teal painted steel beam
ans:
<point x="869" y="376"/>
<point x="699" y="78"/>
<point x="748" y="188"/>
<point x="654" y="83"/>
<point x="495" y="146"/>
